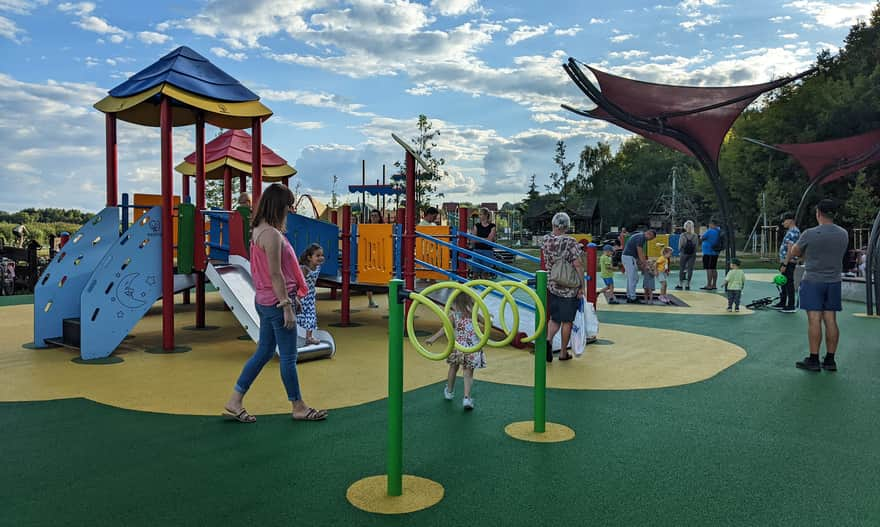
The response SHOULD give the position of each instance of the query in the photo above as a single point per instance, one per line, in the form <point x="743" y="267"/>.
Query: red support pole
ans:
<point x="591" y="272"/>
<point x="334" y="217"/>
<point x="409" y="229"/>
<point x="400" y="216"/>
<point x="242" y="184"/>
<point x="286" y="181"/>
<point x="112" y="160"/>
<point x="184" y="187"/>
<point x="165" y="123"/>
<point x="346" y="265"/>
<point x="227" y="188"/>
<point x="257" y="159"/>
<point x="462" y="241"/>
<point x="200" y="222"/>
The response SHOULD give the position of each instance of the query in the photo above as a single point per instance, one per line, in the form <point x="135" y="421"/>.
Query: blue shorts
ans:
<point x="820" y="296"/>
<point x="608" y="281"/>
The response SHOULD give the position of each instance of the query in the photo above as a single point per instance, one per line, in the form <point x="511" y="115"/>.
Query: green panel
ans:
<point x="186" y="236"/>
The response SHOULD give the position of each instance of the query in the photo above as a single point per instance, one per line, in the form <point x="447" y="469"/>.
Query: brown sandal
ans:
<point x="312" y="415"/>
<point x="242" y="416"/>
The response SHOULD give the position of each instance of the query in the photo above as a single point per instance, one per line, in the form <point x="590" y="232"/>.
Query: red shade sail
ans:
<point x="848" y="154"/>
<point x="706" y="114"/>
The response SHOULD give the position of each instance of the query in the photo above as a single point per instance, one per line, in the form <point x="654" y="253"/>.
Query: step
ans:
<point x="71" y="332"/>
<point x="59" y="341"/>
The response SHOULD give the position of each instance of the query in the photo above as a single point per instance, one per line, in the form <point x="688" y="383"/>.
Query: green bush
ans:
<point x="38" y="231"/>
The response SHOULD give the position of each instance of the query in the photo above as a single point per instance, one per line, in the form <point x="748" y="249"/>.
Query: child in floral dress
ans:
<point x="310" y="262"/>
<point x="461" y="316"/>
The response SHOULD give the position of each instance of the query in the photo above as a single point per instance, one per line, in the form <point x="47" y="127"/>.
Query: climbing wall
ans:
<point x="58" y="291"/>
<point x="126" y="282"/>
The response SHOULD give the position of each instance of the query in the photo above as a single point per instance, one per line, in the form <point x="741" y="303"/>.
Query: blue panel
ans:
<point x="673" y="242"/>
<point x="57" y="294"/>
<point x="186" y="69"/>
<point x="218" y="232"/>
<point x="352" y="262"/>
<point x="303" y="231"/>
<point x="123" y="287"/>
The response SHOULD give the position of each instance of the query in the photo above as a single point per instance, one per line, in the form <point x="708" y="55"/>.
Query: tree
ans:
<point x="426" y="181"/>
<point x="862" y="205"/>
<point x="334" y="197"/>
<point x="559" y="180"/>
<point x="214" y="193"/>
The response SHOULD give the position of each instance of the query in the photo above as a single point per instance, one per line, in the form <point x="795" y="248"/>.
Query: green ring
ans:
<point x="447" y="327"/>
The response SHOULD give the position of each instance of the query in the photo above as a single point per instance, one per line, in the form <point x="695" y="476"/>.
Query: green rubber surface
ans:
<point x="762" y="443"/>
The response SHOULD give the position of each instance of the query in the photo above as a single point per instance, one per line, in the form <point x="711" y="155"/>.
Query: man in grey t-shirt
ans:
<point x="634" y="258"/>
<point x="823" y="248"/>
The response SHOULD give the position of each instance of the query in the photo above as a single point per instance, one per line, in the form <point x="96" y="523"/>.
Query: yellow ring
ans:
<point x="489" y="286"/>
<point x="539" y="307"/>
<point x="447" y="327"/>
<point x="487" y="316"/>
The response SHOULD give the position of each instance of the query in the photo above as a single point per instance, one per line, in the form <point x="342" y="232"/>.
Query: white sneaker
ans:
<point x="467" y="403"/>
<point x="447" y="394"/>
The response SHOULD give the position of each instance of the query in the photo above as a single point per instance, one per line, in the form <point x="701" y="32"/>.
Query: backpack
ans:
<point x="721" y="244"/>
<point x="689" y="247"/>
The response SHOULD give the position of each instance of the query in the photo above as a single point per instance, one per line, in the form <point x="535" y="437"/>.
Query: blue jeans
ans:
<point x="272" y="333"/>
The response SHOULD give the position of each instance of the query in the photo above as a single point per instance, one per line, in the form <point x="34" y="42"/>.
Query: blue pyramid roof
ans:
<point x="187" y="70"/>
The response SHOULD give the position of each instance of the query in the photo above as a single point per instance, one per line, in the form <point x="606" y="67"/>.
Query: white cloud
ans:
<point x="628" y="55"/>
<point x="315" y="100"/>
<point x="78" y="8"/>
<point x="454" y="7"/>
<point x="789" y="36"/>
<point x="622" y="38"/>
<point x="151" y="37"/>
<point x="300" y="125"/>
<point x="599" y="21"/>
<point x="779" y="19"/>
<point x="21" y="7"/>
<point x="570" y="32"/>
<point x="704" y="20"/>
<point x="52" y="129"/>
<point x="527" y="32"/>
<point x="837" y="14"/>
<point x="226" y="54"/>
<point x="10" y="30"/>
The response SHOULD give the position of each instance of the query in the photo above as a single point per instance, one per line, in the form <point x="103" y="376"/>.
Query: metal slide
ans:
<point x="237" y="289"/>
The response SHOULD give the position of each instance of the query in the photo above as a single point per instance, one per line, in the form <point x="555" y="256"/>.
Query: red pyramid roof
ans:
<point x="237" y="145"/>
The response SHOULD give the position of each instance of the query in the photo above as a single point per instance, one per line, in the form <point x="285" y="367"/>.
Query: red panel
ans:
<point x="850" y="153"/>
<point x="686" y="108"/>
<point x="236" y="235"/>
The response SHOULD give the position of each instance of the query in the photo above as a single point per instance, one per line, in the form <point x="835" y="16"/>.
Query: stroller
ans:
<point x="7" y="277"/>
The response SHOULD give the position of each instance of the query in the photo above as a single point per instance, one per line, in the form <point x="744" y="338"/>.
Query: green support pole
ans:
<point x="395" y="390"/>
<point x="540" y="358"/>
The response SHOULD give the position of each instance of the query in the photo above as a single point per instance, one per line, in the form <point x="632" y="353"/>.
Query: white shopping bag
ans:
<point x="592" y="322"/>
<point x="579" y="328"/>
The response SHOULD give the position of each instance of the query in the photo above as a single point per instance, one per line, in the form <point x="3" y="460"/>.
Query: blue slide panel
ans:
<point x="302" y="232"/>
<point x="58" y="291"/>
<point x="123" y="287"/>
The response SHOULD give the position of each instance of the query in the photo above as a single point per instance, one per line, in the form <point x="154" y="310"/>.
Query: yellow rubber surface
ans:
<point x="370" y="494"/>
<point x="701" y="303"/>
<point x="865" y="315"/>
<point x="553" y="432"/>
<point x="199" y="382"/>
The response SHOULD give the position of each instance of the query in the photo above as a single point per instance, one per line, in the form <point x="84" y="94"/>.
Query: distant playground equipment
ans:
<point x="394" y="492"/>
<point x="21" y="268"/>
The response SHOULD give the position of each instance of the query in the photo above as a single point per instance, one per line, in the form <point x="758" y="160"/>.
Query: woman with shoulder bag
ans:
<point x="563" y="257"/>
<point x="687" y="251"/>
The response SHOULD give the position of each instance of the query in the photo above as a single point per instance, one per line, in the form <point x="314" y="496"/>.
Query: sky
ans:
<point x="341" y="76"/>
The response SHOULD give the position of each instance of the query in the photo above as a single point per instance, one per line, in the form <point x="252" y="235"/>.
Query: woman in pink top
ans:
<point x="279" y="283"/>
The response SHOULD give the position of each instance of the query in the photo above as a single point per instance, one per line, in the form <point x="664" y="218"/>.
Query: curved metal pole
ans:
<point x="872" y="272"/>
<point x="809" y="189"/>
<point x="709" y="165"/>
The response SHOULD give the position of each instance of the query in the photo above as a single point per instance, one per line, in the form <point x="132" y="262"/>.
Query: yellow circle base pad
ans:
<point x="371" y="495"/>
<point x="865" y="315"/>
<point x="553" y="432"/>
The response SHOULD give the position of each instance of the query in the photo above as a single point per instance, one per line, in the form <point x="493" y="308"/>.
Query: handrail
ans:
<point x="462" y="279"/>
<point x="521" y="254"/>
<point x="476" y="256"/>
